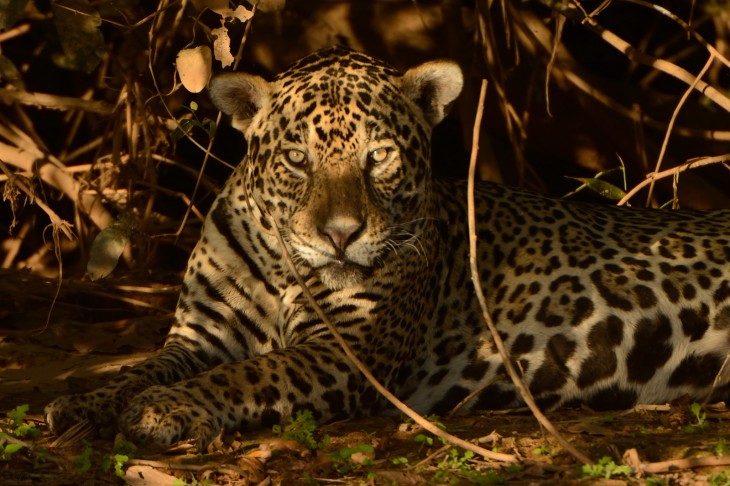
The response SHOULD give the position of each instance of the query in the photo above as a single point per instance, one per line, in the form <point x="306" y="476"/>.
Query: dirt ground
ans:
<point x="83" y="345"/>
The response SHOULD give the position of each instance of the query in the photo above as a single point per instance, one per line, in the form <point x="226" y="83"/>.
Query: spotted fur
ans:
<point x="599" y="305"/>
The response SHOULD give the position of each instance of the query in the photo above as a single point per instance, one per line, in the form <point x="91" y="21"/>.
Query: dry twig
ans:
<point x="691" y="164"/>
<point x="54" y="102"/>
<point x="681" y="102"/>
<point x="640" y="57"/>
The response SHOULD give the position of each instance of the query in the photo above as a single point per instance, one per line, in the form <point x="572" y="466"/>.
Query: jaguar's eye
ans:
<point x="379" y="155"/>
<point x="296" y="157"/>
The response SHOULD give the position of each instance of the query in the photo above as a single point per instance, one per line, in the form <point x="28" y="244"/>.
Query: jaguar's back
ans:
<point x="601" y="305"/>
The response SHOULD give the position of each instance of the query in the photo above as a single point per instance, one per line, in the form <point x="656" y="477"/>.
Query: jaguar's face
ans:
<point x="339" y="158"/>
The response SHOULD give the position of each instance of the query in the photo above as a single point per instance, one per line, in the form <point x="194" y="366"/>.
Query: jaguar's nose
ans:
<point x="342" y="231"/>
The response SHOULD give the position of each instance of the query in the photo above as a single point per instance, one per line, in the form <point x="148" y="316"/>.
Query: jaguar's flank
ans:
<point x="601" y="306"/>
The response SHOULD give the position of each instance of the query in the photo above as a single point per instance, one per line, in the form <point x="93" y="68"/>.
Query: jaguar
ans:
<point x="597" y="305"/>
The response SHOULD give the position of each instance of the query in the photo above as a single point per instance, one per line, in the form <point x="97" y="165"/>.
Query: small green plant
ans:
<point x="456" y="467"/>
<point x="603" y="419"/>
<point x="605" y="468"/>
<point x="15" y="426"/>
<point x="423" y="439"/>
<point x="721" y="448"/>
<point x="115" y="461"/>
<point x="700" y="419"/>
<point x="400" y="461"/>
<point x="722" y="479"/>
<point x="350" y="458"/>
<point x="8" y="449"/>
<point x="301" y="428"/>
<point x="541" y="451"/>
<point x="600" y="186"/>
<point x="654" y="481"/>
<point x="187" y="124"/>
<point x="18" y="427"/>
<point x="83" y="462"/>
<point x="427" y="440"/>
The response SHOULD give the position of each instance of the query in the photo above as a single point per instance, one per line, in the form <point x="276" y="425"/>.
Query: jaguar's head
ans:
<point x="338" y="154"/>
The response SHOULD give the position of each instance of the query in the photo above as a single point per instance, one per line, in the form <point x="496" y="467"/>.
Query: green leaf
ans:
<point x="78" y="28"/>
<point x="183" y="128"/>
<point x="601" y="187"/>
<point x="106" y="250"/>
<point x="17" y="415"/>
<point x="119" y="461"/>
<point x="12" y="449"/>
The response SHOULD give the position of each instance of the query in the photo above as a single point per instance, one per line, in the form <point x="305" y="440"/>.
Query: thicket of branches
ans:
<point x="96" y="131"/>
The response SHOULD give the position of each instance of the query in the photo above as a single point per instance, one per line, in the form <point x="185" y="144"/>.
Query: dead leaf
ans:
<point x="147" y="476"/>
<point x="195" y="67"/>
<point x="241" y="13"/>
<point x="398" y="477"/>
<point x="78" y="25"/>
<point x="631" y="459"/>
<point x="105" y="252"/>
<point x="222" y="46"/>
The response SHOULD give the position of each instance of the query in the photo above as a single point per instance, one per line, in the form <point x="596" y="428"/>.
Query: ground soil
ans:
<point x="84" y="344"/>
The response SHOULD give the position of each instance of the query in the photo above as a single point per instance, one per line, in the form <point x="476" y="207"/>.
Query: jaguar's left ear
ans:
<point x="433" y="86"/>
<point x="240" y="96"/>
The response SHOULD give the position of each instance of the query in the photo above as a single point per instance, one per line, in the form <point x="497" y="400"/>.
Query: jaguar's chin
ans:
<point x="341" y="275"/>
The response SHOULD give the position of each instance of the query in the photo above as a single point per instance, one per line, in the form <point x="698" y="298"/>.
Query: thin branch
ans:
<point x="533" y="33"/>
<point x="54" y="102"/>
<point x="691" y="164"/>
<point x="516" y="378"/>
<point x="688" y="28"/>
<point x="635" y="55"/>
<point x="57" y="222"/>
<point x="675" y="464"/>
<point x="668" y="133"/>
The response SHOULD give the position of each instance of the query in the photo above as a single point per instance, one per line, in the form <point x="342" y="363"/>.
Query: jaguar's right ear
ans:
<point x="240" y="96"/>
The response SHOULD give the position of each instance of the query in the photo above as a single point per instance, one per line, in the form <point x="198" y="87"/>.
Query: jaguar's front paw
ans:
<point x="66" y="411"/>
<point x="163" y="415"/>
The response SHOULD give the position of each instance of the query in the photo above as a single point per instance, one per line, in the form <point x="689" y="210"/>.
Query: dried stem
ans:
<point x="668" y="133"/>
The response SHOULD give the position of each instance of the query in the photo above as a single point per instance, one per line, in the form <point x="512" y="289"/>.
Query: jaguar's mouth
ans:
<point x="340" y="274"/>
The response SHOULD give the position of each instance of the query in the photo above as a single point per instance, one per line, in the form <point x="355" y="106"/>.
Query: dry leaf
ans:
<point x="147" y="476"/>
<point x="241" y="13"/>
<point x="195" y="68"/>
<point x="222" y="46"/>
